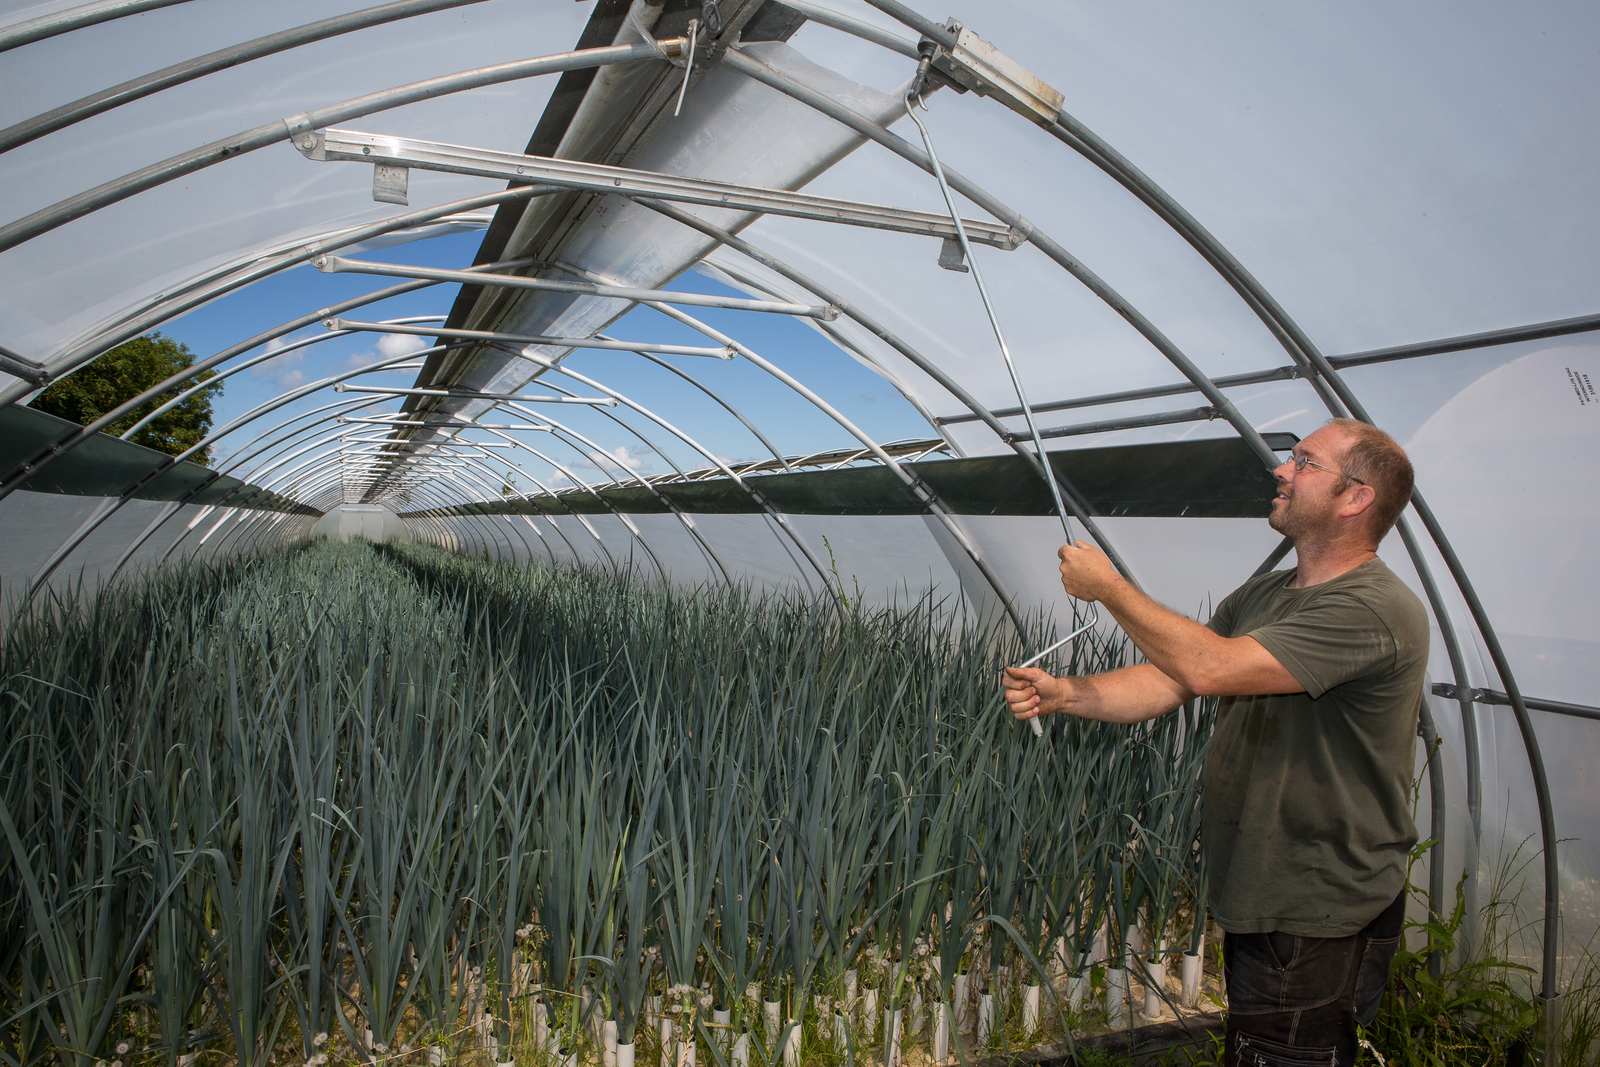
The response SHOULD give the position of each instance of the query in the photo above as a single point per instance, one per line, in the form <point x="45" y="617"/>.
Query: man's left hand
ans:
<point x="1086" y="572"/>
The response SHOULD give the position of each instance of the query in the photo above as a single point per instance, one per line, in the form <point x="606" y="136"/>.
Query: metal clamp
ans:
<point x="302" y="133"/>
<point x="1450" y="691"/>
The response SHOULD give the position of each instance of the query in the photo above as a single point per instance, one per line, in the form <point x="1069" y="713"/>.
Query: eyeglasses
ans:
<point x="1302" y="461"/>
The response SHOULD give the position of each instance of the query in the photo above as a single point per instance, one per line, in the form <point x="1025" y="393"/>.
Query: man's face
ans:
<point x="1306" y="500"/>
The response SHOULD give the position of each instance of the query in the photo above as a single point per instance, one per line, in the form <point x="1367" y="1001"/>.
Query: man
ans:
<point x="1307" y="816"/>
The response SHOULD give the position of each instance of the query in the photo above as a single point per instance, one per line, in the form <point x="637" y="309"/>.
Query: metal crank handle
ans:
<point x="1037" y="727"/>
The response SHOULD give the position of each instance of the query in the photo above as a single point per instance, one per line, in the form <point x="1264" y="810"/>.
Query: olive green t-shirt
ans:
<point x="1307" y="820"/>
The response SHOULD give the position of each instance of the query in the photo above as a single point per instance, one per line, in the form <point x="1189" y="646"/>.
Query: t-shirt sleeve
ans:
<point x="1332" y="640"/>
<point x="1221" y="621"/>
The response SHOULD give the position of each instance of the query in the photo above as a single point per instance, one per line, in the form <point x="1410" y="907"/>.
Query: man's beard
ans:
<point x="1285" y="521"/>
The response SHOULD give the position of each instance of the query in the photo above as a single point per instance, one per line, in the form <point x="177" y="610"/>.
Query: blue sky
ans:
<point x="862" y="396"/>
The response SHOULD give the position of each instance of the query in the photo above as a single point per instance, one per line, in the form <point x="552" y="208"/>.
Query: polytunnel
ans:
<point x="696" y="292"/>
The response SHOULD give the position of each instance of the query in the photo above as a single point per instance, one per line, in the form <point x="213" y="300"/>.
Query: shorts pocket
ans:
<point x="1251" y="1050"/>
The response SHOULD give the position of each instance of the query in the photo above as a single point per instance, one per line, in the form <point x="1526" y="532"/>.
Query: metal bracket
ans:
<point x="978" y="65"/>
<point x="1450" y="691"/>
<point x="389" y="184"/>
<point x="950" y="255"/>
<point x="303" y="135"/>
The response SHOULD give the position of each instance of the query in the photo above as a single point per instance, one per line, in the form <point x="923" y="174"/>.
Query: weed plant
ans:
<point x="393" y="804"/>
<point x="1452" y="1003"/>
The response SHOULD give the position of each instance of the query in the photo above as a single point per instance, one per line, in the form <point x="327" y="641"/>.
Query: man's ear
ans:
<point x="1358" y="498"/>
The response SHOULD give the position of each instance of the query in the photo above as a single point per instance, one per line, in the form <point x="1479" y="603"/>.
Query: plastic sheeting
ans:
<point x="1389" y="175"/>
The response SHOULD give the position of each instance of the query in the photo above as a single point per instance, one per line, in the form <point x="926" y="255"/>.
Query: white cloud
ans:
<point x="285" y="370"/>
<point x="277" y="366"/>
<point x="389" y="346"/>
<point x="400" y="344"/>
<point x="608" y="462"/>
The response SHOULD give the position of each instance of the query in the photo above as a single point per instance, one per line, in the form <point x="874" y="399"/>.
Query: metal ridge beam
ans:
<point x="357" y="147"/>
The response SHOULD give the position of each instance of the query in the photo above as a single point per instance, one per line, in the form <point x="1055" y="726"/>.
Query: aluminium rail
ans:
<point x="408" y="152"/>
<point x="1464" y="343"/>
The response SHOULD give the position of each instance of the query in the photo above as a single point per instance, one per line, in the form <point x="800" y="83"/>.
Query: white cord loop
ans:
<point x="688" y="64"/>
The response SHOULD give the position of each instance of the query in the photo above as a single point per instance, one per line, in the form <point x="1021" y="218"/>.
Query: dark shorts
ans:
<point x="1294" y="1001"/>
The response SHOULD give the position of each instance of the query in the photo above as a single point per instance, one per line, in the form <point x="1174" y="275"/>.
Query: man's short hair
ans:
<point x="1376" y="459"/>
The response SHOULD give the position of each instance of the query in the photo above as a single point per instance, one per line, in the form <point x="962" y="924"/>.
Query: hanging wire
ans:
<point x="1005" y="352"/>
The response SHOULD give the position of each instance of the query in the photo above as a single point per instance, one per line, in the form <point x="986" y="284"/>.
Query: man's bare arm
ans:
<point x="1188" y="653"/>
<point x="1132" y="694"/>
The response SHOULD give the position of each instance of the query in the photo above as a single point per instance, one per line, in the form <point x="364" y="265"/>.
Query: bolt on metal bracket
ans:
<point x="302" y="133"/>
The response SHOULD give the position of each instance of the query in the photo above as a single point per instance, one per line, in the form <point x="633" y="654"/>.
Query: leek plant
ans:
<point x="365" y="802"/>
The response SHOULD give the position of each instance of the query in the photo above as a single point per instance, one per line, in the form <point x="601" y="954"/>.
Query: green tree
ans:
<point x="122" y="374"/>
